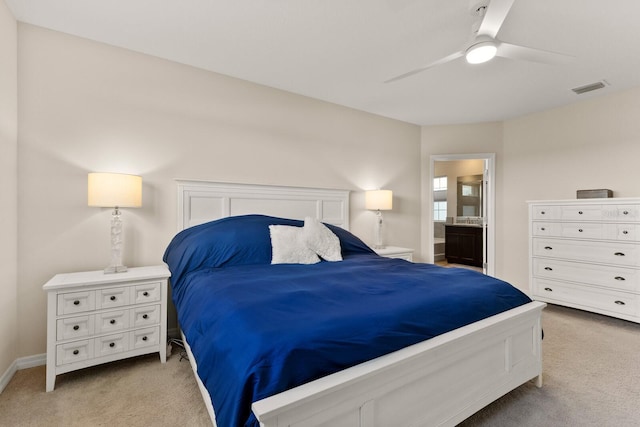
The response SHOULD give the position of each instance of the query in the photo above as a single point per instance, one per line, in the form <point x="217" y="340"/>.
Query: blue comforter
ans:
<point x="258" y="329"/>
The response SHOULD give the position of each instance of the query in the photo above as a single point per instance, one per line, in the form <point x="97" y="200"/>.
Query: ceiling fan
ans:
<point x="485" y="46"/>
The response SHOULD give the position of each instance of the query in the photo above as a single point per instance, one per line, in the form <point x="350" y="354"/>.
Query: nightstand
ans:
<point x="396" y="252"/>
<point x="95" y="318"/>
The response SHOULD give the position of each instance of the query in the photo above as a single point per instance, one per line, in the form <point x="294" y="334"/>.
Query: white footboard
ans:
<point x="441" y="381"/>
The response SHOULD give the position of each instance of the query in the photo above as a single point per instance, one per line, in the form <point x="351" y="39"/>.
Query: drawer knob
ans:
<point x="144" y="338"/>
<point x="580" y="230"/>
<point x="548" y="248"/>
<point x="542" y="228"/>
<point x="542" y="212"/>
<point x="145" y="293"/>
<point x="620" y="302"/>
<point x="625" y="232"/>
<point x="625" y="212"/>
<point x="145" y="316"/>
<point x="76" y="327"/>
<point x="112" y="321"/>
<point x="620" y="278"/>
<point x="76" y="352"/>
<point x="619" y="254"/>
<point x="548" y="268"/>
<point x="76" y="302"/>
<point x="113" y="298"/>
<point x="548" y="289"/>
<point x="112" y="344"/>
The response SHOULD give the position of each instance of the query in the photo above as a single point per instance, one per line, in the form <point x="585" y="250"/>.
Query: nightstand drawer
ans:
<point x="111" y="344"/>
<point x="144" y="337"/>
<point x="145" y="316"/>
<point x="74" y="327"/>
<point x="76" y="351"/>
<point x="112" y="297"/>
<point x="76" y="302"/>
<point x="148" y="292"/>
<point x="112" y="321"/>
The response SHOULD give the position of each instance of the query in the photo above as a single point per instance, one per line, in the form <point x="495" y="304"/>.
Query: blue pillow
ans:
<point x="236" y="240"/>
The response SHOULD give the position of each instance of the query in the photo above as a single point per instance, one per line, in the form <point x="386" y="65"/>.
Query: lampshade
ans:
<point x="379" y="200"/>
<point x="114" y="189"/>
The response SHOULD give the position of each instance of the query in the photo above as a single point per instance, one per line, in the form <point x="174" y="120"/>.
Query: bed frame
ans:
<point x="440" y="381"/>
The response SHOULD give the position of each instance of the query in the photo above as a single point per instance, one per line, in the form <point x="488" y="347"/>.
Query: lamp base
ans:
<point x="115" y="266"/>
<point x="115" y="269"/>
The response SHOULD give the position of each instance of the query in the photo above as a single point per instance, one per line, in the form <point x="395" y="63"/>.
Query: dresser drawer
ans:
<point x="618" y="278"/>
<point x="625" y="254"/>
<point x="622" y="213"/>
<point x="112" y="321"/>
<point x="587" y="297"/>
<point x="545" y="229"/>
<point x="111" y="344"/>
<point x="582" y="230"/>
<point x="622" y="232"/>
<point x="581" y="213"/>
<point x="112" y="297"/>
<point x="75" y="327"/>
<point x="144" y="338"/>
<point x="73" y="352"/>
<point x="148" y="292"/>
<point x="145" y="316"/>
<point x="76" y="302"/>
<point x="546" y="212"/>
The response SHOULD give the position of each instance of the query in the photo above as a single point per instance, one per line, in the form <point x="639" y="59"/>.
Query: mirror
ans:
<point x="469" y="196"/>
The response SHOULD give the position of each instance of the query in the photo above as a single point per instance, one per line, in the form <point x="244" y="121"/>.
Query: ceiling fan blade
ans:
<point x="440" y="61"/>
<point x="494" y="16"/>
<point x="512" y="51"/>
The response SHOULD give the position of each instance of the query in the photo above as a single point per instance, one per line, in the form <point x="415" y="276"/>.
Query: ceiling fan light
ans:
<point x="481" y="52"/>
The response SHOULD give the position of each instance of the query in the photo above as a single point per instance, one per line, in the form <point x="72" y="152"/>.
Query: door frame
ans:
<point x="489" y="201"/>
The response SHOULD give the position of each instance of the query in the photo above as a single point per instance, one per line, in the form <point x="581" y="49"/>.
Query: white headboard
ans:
<point x="203" y="201"/>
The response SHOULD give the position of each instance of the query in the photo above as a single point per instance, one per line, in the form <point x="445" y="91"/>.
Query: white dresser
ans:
<point x="94" y="318"/>
<point x="585" y="254"/>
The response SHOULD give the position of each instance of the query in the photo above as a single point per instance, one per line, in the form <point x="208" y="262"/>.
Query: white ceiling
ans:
<point x="342" y="51"/>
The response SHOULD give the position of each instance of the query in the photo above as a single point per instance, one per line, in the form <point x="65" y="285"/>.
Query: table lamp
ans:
<point x="378" y="200"/>
<point x="115" y="190"/>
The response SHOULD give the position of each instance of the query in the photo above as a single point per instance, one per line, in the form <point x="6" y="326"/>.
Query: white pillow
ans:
<point x="288" y="246"/>
<point x="321" y="240"/>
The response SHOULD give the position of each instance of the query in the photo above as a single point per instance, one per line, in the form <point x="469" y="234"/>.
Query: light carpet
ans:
<point x="591" y="378"/>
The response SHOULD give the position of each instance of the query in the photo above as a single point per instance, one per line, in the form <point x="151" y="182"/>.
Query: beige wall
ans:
<point x="548" y="155"/>
<point x="460" y="139"/>
<point x="8" y="187"/>
<point x="86" y="106"/>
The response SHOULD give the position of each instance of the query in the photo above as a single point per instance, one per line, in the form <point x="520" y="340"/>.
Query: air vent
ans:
<point x="588" y="88"/>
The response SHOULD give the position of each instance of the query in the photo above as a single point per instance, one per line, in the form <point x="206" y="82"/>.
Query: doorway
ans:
<point x="472" y="177"/>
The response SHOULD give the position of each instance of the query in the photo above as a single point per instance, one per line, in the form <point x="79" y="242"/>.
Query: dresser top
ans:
<point x="599" y="201"/>
<point x="99" y="277"/>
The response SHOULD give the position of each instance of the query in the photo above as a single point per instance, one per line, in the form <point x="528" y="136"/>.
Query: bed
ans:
<point x="298" y="364"/>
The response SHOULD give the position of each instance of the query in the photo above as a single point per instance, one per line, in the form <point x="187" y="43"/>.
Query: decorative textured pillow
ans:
<point x="321" y="240"/>
<point x="289" y="247"/>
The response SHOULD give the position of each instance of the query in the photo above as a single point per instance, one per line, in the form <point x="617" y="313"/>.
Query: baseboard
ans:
<point x="21" y="363"/>
<point x="8" y="374"/>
